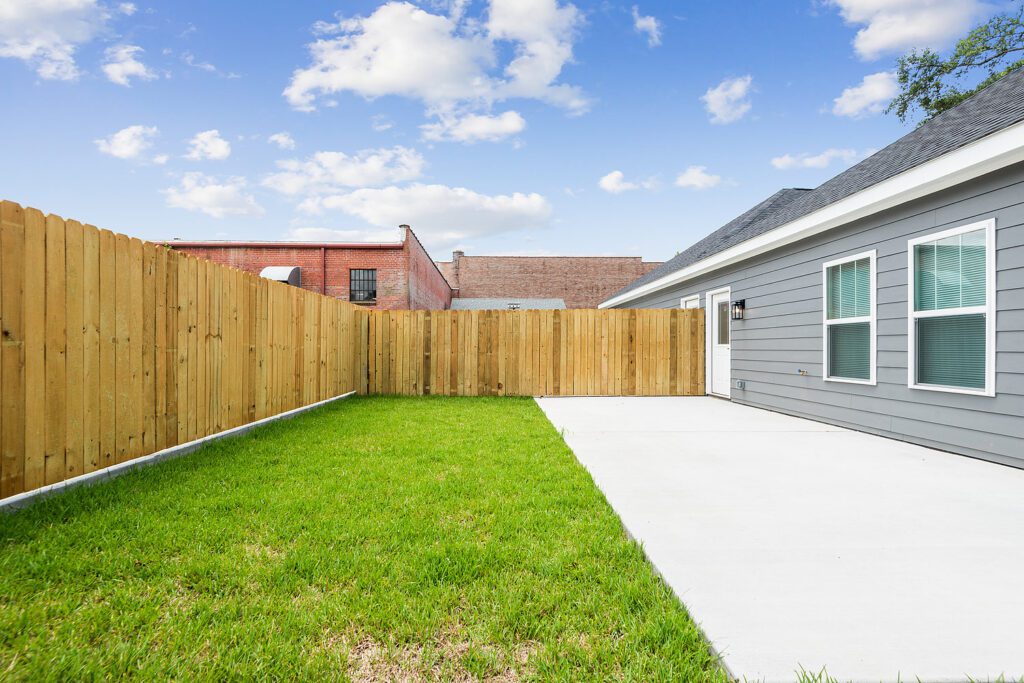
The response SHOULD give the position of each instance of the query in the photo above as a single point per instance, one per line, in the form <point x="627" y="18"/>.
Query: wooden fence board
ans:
<point x="74" y="392"/>
<point x="35" y="349"/>
<point x="531" y="353"/>
<point x="111" y="348"/>
<point x="91" y="348"/>
<point x="56" y="340"/>
<point x="12" y="348"/>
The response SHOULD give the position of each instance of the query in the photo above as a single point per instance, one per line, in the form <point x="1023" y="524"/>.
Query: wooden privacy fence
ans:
<point x="531" y="353"/>
<point x="113" y="348"/>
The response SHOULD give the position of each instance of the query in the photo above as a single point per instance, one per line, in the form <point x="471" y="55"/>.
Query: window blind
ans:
<point x="849" y="290"/>
<point x="951" y="351"/>
<point x="849" y="354"/>
<point x="950" y="273"/>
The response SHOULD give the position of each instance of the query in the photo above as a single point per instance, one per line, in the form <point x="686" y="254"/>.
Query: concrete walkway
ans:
<point x="796" y="544"/>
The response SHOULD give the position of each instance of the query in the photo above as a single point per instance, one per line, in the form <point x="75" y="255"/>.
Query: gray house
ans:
<point x="889" y="300"/>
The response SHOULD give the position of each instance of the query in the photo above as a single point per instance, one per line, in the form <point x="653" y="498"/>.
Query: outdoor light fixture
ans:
<point x="738" y="308"/>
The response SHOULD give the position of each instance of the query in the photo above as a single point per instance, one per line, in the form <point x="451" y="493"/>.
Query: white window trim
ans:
<point x="871" y="318"/>
<point x="989" y="309"/>
<point x="692" y="297"/>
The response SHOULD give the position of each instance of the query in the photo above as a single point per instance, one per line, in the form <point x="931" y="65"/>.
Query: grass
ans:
<point x="373" y="539"/>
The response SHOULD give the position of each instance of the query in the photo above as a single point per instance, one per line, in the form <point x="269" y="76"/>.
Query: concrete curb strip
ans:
<point x="25" y="499"/>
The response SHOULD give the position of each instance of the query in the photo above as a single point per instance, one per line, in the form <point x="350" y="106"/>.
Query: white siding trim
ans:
<point x="871" y="318"/>
<point x="989" y="309"/>
<point x="690" y="299"/>
<point x="983" y="156"/>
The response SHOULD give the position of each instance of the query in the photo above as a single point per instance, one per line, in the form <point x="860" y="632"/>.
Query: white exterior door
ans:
<point x="721" y="348"/>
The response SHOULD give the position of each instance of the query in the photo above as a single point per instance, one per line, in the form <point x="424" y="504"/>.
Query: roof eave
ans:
<point x="991" y="153"/>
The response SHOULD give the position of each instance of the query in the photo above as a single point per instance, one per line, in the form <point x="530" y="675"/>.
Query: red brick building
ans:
<point x="401" y="275"/>
<point x="398" y="275"/>
<point x="581" y="281"/>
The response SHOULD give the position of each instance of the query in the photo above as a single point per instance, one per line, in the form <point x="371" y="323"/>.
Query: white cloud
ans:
<point x="208" y="145"/>
<point x="121" y="65"/>
<point x="542" y="32"/>
<point x="727" y="102"/>
<point x="191" y="60"/>
<point x="454" y="65"/>
<point x="650" y="26"/>
<point x="870" y="97"/>
<point x="320" y="234"/>
<point x="327" y="172"/>
<point x="127" y="8"/>
<point x="160" y="159"/>
<point x="282" y="140"/>
<point x="381" y="123"/>
<point x="822" y="160"/>
<point x="697" y="178"/>
<point x="891" y="26"/>
<point x="616" y="183"/>
<point x="45" y="34"/>
<point x="475" y="127"/>
<point x="398" y="50"/>
<point x="443" y="215"/>
<point x="206" y="194"/>
<point x="128" y="143"/>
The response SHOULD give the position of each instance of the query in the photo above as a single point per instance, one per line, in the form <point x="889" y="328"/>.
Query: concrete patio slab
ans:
<point x="797" y="545"/>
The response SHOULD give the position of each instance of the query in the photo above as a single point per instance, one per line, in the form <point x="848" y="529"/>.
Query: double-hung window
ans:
<point x="849" y="320"/>
<point x="952" y="310"/>
<point x="692" y="301"/>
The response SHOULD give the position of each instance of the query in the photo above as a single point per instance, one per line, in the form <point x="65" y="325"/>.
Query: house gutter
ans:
<point x="971" y="161"/>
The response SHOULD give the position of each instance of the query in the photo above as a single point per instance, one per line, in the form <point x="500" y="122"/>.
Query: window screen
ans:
<point x="850" y="351"/>
<point x="951" y="351"/>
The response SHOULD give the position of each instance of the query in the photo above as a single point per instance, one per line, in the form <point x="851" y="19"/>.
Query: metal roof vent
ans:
<point x="290" y="275"/>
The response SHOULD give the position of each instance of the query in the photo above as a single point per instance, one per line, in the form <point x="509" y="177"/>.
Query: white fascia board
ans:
<point x="983" y="156"/>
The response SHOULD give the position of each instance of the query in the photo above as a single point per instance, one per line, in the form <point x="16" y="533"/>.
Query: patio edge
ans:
<point x="27" y="498"/>
<point x="563" y="434"/>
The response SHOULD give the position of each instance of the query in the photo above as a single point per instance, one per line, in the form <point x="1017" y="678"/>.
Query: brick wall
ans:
<point x="390" y="261"/>
<point x="582" y="281"/>
<point x="428" y="289"/>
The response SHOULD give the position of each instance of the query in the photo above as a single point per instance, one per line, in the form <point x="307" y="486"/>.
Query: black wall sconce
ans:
<point x="737" y="309"/>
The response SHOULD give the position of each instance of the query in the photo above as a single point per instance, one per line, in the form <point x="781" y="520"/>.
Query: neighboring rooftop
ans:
<point x="507" y="304"/>
<point x="996" y="107"/>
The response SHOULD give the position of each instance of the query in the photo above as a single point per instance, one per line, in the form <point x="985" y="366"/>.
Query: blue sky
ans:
<point x="499" y="126"/>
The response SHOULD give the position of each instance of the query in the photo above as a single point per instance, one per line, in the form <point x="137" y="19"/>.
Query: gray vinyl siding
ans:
<point x="782" y="330"/>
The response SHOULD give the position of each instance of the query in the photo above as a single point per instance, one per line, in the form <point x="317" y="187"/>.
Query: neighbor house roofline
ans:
<point x="215" y="244"/>
<point x="985" y="155"/>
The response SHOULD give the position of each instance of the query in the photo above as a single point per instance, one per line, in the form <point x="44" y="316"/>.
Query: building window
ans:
<point x="690" y="301"/>
<point x="362" y="284"/>
<point x="849" y="334"/>
<point x="951" y="326"/>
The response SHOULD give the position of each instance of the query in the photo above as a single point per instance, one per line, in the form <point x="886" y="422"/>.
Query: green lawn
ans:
<point x="373" y="539"/>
